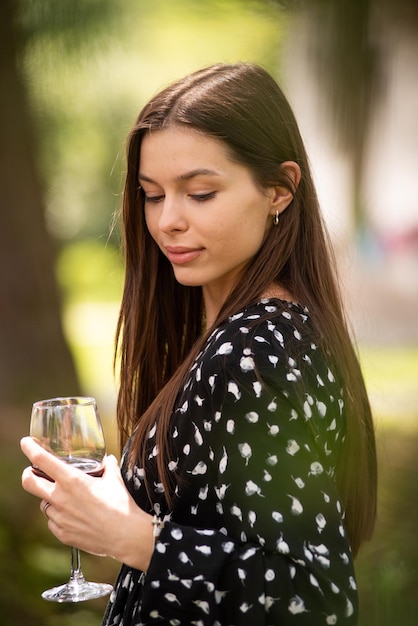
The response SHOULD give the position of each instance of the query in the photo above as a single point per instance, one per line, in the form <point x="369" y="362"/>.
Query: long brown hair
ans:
<point x="160" y="325"/>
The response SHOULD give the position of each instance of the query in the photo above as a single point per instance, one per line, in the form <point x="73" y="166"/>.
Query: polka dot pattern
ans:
<point x="256" y="532"/>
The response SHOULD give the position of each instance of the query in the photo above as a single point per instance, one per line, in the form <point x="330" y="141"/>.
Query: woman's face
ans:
<point x="204" y="211"/>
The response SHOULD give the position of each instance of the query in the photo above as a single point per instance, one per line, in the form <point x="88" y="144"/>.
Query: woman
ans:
<point x="249" y="465"/>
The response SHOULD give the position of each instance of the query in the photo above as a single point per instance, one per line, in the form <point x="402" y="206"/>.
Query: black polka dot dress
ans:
<point x="256" y="533"/>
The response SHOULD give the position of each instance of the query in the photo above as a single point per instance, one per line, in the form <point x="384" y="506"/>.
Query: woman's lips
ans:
<point x="180" y="255"/>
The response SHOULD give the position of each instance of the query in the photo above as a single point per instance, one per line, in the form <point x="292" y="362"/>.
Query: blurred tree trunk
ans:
<point x="35" y="361"/>
<point x="346" y="53"/>
<point x="348" y="68"/>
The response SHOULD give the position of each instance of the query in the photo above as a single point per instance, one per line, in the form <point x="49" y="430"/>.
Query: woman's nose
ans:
<point x="172" y="216"/>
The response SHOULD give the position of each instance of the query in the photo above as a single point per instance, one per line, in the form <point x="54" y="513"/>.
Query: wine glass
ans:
<point x="70" y="428"/>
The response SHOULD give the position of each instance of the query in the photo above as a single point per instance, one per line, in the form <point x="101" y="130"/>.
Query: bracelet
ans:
<point x="158" y="525"/>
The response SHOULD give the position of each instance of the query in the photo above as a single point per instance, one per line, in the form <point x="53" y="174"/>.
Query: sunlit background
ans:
<point x="85" y="68"/>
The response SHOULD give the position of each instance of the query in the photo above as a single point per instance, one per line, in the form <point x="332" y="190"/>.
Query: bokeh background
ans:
<point x="73" y="76"/>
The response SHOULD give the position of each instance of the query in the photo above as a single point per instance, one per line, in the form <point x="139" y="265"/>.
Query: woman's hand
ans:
<point x="97" y="515"/>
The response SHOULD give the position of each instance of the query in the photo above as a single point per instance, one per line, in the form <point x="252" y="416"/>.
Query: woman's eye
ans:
<point x="154" y="199"/>
<point x="197" y="197"/>
<point x="202" y="197"/>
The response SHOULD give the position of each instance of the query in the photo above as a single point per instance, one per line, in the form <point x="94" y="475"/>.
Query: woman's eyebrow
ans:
<point x="198" y="172"/>
<point x="186" y="176"/>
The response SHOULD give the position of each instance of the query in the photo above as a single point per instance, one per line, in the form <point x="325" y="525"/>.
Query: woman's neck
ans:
<point x="212" y="306"/>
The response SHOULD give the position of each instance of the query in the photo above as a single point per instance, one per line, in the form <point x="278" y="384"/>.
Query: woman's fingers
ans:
<point x="44" y="506"/>
<point x="36" y="486"/>
<point x="44" y="461"/>
<point x="83" y="511"/>
<point x="48" y="472"/>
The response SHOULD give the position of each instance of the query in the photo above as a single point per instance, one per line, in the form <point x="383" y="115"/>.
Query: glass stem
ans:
<point x="76" y="573"/>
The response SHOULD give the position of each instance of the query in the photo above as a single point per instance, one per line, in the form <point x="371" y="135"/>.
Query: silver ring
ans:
<point x="44" y="508"/>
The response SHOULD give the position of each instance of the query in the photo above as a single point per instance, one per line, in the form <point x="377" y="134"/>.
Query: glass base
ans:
<point x="77" y="590"/>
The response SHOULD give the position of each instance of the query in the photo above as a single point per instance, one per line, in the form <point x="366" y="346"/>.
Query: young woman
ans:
<point x="248" y="477"/>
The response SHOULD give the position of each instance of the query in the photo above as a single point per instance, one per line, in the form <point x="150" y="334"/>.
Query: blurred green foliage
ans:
<point x="89" y="73"/>
<point x="89" y="271"/>
<point x="387" y="567"/>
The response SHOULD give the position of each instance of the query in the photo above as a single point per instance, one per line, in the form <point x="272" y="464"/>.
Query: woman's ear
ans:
<point x="283" y="196"/>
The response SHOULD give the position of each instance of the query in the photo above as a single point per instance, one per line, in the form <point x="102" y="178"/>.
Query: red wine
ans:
<point x="40" y="473"/>
<point x="92" y="467"/>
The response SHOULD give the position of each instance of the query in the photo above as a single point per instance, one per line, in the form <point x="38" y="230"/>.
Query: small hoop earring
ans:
<point x="276" y="218"/>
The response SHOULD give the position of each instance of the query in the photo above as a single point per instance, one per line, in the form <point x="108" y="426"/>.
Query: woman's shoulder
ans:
<point x="269" y="319"/>
<point x="261" y="335"/>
